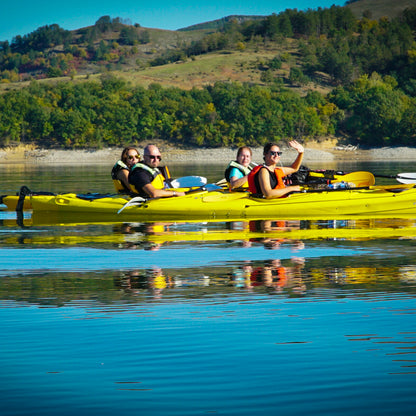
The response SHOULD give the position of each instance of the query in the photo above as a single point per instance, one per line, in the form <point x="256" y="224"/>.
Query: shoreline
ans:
<point x="27" y="155"/>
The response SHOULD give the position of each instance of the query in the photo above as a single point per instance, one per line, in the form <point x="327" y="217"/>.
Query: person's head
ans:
<point x="130" y="156"/>
<point x="271" y="153"/>
<point x="152" y="156"/>
<point x="244" y="156"/>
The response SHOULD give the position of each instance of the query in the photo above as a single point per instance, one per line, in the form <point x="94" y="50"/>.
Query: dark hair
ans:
<point x="124" y="153"/>
<point x="240" y="149"/>
<point x="267" y="147"/>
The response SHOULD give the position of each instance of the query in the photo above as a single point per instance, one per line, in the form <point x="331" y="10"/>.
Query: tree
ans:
<point x="297" y="77"/>
<point x="128" y="36"/>
<point x="376" y="110"/>
<point x="103" y="24"/>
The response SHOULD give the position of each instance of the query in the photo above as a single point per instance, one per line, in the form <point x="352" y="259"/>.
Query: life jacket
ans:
<point x="234" y="164"/>
<point x="253" y="179"/>
<point x="281" y="280"/>
<point x="158" y="180"/>
<point x="164" y="170"/>
<point x="118" y="184"/>
<point x="278" y="275"/>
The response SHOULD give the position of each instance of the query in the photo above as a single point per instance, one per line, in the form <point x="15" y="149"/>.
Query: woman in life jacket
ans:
<point x="237" y="171"/>
<point x="120" y="172"/>
<point x="267" y="179"/>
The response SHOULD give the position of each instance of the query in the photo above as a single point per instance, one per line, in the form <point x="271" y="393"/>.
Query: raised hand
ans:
<point x="296" y="145"/>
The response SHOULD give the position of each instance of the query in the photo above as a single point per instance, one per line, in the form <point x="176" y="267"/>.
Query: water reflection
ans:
<point x="191" y="310"/>
<point x="271" y="275"/>
<point x="153" y="236"/>
<point x="295" y="277"/>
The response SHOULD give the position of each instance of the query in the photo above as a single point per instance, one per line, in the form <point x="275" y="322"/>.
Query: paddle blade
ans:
<point x="359" y="179"/>
<point x="407" y="178"/>
<point x="188" y="182"/>
<point x="137" y="200"/>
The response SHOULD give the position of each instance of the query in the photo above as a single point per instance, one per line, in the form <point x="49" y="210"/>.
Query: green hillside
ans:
<point x="143" y="55"/>
<point x="377" y="9"/>
<point x="299" y="74"/>
<point x="220" y="24"/>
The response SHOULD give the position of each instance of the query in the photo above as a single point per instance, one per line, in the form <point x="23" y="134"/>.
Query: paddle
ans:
<point x="321" y="191"/>
<point x="138" y="200"/>
<point x="222" y="183"/>
<point x="359" y="179"/>
<point x="407" y="178"/>
<point x="188" y="182"/>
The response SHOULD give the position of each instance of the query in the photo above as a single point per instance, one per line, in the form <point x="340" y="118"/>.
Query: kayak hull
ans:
<point x="387" y="201"/>
<point x="10" y="201"/>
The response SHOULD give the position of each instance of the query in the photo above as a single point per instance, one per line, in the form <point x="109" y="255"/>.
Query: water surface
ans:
<point x="204" y="318"/>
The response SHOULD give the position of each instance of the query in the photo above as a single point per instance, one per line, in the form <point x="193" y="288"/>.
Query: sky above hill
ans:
<point x="24" y="16"/>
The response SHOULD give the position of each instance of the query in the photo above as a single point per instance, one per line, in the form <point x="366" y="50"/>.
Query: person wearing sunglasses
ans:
<point x="120" y="172"/>
<point x="267" y="179"/>
<point x="147" y="179"/>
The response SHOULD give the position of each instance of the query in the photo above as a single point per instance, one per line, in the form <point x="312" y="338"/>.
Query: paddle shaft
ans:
<point x="408" y="176"/>
<point x="395" y="177"/>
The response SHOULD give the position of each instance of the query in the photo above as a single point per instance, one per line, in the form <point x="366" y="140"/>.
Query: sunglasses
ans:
<point x="134" y="157"/>
<point x="275" y="153"/>
<point x="153" y="157"/>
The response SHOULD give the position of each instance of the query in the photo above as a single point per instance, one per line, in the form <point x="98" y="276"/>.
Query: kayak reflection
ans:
<point x="329" y="278"/>
<point x="272" y="275"/>
<point x="155" y="235"/>
<point x="152" y="280"/>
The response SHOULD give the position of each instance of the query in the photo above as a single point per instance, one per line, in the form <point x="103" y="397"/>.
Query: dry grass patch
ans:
<point x="16" y="153"/>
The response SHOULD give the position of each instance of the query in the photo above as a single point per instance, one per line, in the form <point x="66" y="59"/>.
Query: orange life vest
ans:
<point x="253" y="179"/>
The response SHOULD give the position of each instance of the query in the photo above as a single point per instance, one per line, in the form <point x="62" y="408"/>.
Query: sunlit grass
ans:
<point x="202" y="70"/>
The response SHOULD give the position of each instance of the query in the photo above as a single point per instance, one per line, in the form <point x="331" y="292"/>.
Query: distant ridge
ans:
<point x="379" y="8"/>
<point x="220" y="23"/>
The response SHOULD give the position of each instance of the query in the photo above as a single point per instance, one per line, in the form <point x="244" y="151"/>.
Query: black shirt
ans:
<point x="138" y="178"/>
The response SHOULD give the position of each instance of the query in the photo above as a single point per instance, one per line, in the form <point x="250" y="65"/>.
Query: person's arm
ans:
<point x="298" y="161"/>
<point x="160" y="193"/>
<point x="268" y="191"/>
<point x="236" y="182"/>
<point x="142" y="182"/>
<point x="123" y="177"/>
<point x="236" y="178"/>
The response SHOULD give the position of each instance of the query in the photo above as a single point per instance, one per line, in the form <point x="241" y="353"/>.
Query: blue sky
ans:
<point x="25" y="16"/>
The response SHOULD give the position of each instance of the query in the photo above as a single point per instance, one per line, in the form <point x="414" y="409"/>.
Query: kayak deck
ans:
<point x="375" y="201"/>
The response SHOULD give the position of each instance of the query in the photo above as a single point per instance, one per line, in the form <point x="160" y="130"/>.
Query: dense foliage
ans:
<point x="370" y="64"/>
<point x="51" y="51"/>
<point x="379" y="113"/>
<point x="94" y="114"/>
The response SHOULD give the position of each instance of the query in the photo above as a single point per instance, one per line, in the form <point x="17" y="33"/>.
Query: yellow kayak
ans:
<point x="392" y="201"/>
<point x="326" y="179"/>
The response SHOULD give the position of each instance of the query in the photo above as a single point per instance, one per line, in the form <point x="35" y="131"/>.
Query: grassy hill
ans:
<point x="372" y="63"/>
<point x="131" y="62"/>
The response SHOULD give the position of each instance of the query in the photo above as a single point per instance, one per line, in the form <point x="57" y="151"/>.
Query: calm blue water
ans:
<point x="205" y="318"/>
